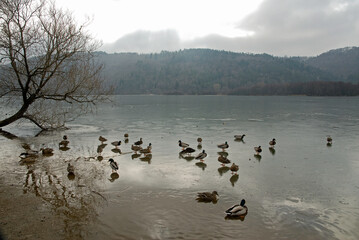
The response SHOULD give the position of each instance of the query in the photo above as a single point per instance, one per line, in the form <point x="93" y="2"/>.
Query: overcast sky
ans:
<point x="276" y="27"/>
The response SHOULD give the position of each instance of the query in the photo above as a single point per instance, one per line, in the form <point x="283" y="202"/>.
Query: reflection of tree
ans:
<point x="75" y="201"/>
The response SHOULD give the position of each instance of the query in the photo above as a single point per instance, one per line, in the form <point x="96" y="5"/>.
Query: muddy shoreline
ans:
<point x="24" y="216"/>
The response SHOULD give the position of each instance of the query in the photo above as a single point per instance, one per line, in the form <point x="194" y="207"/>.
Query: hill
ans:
<point x="205" y="71"/>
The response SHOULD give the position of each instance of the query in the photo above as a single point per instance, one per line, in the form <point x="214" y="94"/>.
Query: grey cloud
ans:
<point x="145" y="42"/>
<point x="281" y="27"/>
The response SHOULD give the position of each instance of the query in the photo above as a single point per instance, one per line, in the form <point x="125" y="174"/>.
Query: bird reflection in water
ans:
<point x="116" y="150"/>
<point x="114" y="176"/>
<point x="234" y="178"/>
<point x="64" y="148"/>
<point x="201" y="165"/>
<point x="241" y="217"/>
<point x="223" y="170"/>
<point x="135" y="155"/>
<point x="146" y="158"/>
<point x="272" y="151"/>
<point x="258" y="157"/>
<point x="186" y="157"/>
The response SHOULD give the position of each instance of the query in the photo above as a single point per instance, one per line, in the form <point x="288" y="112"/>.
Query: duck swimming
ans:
<point x="272" y="143"/>
<point x="258" y="150"/>
<point x="139" y="142"/>
<point x="239" y="137"/>
<point x="207" y="196"/>
<point x="237" y="210"/>
<point x="116" y="143"/>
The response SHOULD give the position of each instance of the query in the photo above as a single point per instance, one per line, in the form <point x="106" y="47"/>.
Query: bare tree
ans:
<point x="48" y="69"/>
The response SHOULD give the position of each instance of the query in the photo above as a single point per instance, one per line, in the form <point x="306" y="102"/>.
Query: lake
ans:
<point x="301" y="189"/>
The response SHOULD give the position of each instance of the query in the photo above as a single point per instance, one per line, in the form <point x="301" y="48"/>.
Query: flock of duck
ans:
<point x="237" y="210"/>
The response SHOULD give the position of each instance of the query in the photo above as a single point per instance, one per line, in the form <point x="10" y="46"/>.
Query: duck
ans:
<point x="102" y="139"/>
<point x="237" y="209"/>
<point x="201" y="156"/>
<point x="207" y="196"/>
<point x="272" y="143"/>
<point x="234" y="168"/>
<point x="139" y="142"/>
<point x="182" y="144"/>
<point x="64" y="143"/>
<point x="125" y="135"/>
<point x="70" y="168"/>
<point x="135" y="148"/>
<point x="239" y="137"/>
<point x="223" y="159"/>
<point x="46" y="151"/>
<point x="223" y="146"/>
<point x="147" y="149"/>
<point x="116" y="143"/>
<point x="113" y="165"/>
<point x="329" y="139"/>
<point x="258" y="150"/>
<point x="199" y="141"/>
<point x="188" y="151"/>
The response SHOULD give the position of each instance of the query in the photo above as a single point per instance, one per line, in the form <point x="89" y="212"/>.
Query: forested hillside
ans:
<point x="205" y="71"/>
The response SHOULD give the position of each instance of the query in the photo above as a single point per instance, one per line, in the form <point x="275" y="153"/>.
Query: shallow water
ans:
<point x="303" y="189"/>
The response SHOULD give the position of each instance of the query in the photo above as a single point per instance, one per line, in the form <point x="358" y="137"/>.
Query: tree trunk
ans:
<point x="19" y="114"/>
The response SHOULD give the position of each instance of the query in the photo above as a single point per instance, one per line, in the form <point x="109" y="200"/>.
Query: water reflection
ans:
<point x="272" y="150"/>
<point x="114" y="176"/>
<point x="234" y="178"/>
<point x="258" y="157"/>
<point x="146" y="158"/>
<point x="75" y="200"/>
<point x="223" y="170"/>
<point x="135" y="155"/>
<point x="241" y="217"/>
<point x="201" y="165"/>
<point x="64" y="148"/>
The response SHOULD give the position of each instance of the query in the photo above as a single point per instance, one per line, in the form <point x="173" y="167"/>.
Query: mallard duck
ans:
<point x="113" y="164"/>
<point x="46" y="151"/>
<point x="223" y="146"/>
<point x="70" y="168"/>
<point x="258" y="150"/>
<point x="239" y="137"/>
<point x="201" y="156"/>
<point x="147" y="149"/>
<point x="329" y="139"/>
<point x="116" y="143"/>
<point x="188" y="151"/>
<point x="234" y="168"/>
<point x="135" y="148"/>
<point x="272" y="143"/>
<point x="182" y="144"/>
<point x="237" y="210"/>
<point x="64" y="143"/>
<point x="223" y="159"/>
<point x="126" y="135"/>
<point x="199" y="141"/>
<point x="207" y="196"/>
<point x="102" y="139"/>
<point x="139" y="142"/>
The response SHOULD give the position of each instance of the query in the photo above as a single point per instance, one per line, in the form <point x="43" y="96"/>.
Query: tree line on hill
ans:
<point x="205" y="71"/>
